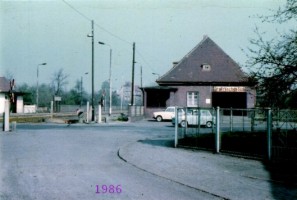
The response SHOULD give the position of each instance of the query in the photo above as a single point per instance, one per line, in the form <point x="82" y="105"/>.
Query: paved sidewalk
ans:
<point x="220" y="175"/>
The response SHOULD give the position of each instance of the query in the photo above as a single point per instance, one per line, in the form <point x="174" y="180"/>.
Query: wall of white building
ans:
<point x="20" y="104"/>
<point x="2" y="103"/>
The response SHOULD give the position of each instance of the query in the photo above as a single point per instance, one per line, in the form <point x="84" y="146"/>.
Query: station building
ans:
<point x="205" y="77"/>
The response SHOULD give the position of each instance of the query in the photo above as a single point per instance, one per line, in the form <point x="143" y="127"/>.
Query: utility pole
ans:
<point x="132" y="86"/>
<point x="93" y="110"/>
<point x="110" y="88"/>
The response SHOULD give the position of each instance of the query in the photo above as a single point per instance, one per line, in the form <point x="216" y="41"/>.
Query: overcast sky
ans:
<point x="55" y="32"/>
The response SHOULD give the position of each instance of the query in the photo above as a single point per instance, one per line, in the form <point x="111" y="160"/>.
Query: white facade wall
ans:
<point x="2" y="103"/>
<point x="20" y="104"/>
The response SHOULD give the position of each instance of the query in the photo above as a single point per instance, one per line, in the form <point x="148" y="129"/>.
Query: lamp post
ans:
<point x="37" y="87"/>
<point x="110" y="92"/>
<point x="81" y="89"/>
<point x="92" y="101"/>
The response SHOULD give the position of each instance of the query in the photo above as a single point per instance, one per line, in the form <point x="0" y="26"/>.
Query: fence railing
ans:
<point x="261" y="133"/>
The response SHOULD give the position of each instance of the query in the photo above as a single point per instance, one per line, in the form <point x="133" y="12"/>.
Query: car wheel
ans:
<point x="208" y="124"/>
<point x="183" y="123"/>
<point x="159" y="118"/>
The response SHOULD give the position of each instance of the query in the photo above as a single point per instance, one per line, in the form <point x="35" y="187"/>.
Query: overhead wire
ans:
<point x="102" y="28"/>
<point x="76" y="10"/>
<point x="110" y="33"/>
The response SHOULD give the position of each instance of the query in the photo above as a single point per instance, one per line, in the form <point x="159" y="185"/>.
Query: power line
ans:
<point x="80" y="13"/>
<point x="102" y="28"/>
<point x="144" y="60"/>
<point x="114" y="35"/>
<point x="110" y="33"/>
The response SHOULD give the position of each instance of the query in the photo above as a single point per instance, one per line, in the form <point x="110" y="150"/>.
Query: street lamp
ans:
<point x="110" y="92"/>
<point x="37" y="87"/>
<point x="81" y="90"/>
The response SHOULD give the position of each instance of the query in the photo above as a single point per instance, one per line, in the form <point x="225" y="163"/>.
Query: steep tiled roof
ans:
<point x="206" y="64"/>
<point x="4" y="84"/>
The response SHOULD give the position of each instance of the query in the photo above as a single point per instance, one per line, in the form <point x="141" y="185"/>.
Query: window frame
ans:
<point x="192" y="99"/>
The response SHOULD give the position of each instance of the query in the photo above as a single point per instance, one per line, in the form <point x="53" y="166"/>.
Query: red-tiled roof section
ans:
<point x="223" y="69"/>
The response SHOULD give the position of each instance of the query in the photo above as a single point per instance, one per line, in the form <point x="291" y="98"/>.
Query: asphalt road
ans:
<point x="46" y="161"/>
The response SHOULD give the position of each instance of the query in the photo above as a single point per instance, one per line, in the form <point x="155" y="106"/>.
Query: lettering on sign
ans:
<point x="228" y="89"/>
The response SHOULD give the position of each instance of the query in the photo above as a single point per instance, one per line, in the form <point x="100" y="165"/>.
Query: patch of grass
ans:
<point x="27" y="119"/>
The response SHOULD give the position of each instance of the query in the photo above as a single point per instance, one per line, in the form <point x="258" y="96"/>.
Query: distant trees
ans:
<point x="77" y="95"/>
<point x="29" y="96"/>
<point x="273" y="63"/>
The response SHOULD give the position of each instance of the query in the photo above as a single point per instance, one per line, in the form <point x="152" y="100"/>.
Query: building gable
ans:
<point x="206" y="64"/>
<point x="4" y="85"/>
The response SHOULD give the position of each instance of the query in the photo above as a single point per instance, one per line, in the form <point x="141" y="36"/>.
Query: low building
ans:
<point x="8" y="92"/>
<point x="205" y="77"/>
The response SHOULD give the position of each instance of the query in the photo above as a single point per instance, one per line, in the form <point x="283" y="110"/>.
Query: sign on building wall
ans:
<point x="56" y="98"/>
<point x="228" y="89"/>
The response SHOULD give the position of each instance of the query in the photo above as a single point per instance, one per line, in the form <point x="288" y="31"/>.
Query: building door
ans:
<point x="229" y="100"/>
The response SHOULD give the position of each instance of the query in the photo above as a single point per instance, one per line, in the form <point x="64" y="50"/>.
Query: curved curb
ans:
<point x="121" y="156"/>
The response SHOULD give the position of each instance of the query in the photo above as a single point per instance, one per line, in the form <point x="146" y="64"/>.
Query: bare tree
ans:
<point x="59" y="81"/>
<point x="273" y="63"/>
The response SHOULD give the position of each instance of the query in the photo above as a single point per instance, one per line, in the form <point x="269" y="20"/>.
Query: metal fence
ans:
<point x="284" y="134"/>
<point x="261" y="133"/>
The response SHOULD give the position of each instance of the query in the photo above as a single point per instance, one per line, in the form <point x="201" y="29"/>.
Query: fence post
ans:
<point x="253" y="119"/>
<point x="52" y="109"/>
<point x="88" y="108"/>
<point x="199" y="119"/>
<point x="269" y="133"/>
<point x="231" y="120"/>
<point x="242" y="113"/>
<point x="176" y="128"/>
<point x="217" y="137"/>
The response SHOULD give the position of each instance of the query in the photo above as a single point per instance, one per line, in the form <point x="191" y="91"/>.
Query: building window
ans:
<point x="206" y="67"/>
<point x="192" y="99"/>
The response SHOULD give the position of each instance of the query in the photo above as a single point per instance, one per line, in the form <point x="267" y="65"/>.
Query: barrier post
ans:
<point x="52" y="109"/>
<point x="99" y="114"/>
<point x="176" y="128"/>
<point x="6" y="116"/>
<point x="269" y="133"/>
<point x="88" y="111"/>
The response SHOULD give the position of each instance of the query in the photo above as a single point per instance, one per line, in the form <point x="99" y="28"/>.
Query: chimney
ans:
<point x="175" y="63"/>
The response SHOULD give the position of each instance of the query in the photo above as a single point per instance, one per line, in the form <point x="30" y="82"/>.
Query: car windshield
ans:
<point x="169" y="110"/>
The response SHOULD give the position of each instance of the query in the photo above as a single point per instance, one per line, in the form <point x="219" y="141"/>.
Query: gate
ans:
<point x="284" y="135"/>
<point x="195" y="127"/>
<point x="260" y="133"/>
